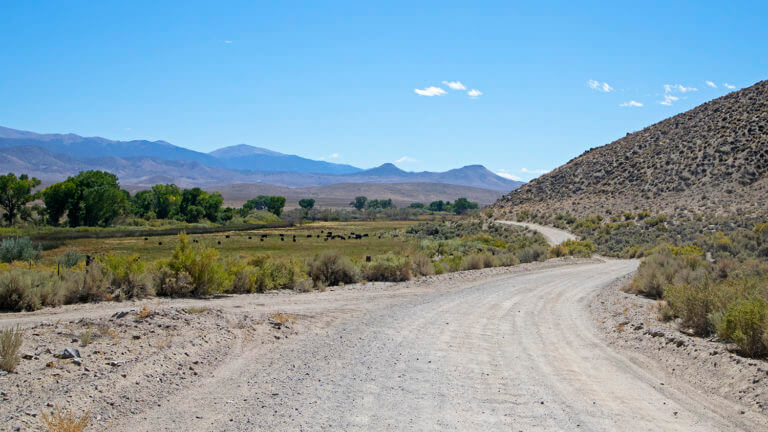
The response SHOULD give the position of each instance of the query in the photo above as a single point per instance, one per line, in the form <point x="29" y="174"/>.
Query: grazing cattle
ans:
<point x="227" y="236"/>
<point x="159" y="243"/>
<point x="365" y="235"/>
<point x="194" y="240"/>
<point x="368" y="258"/>
<point x="261" y="239"/>
<point x="249" y="237"/>
<point x="358" y="237"/>
<point x="219" y="242"/>
<point x="309" y="235"/>
<point x="146" y="238"/>
<point x="282" y="238"/>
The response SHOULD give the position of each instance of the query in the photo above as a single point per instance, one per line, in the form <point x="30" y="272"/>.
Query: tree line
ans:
<point x="94" y="198"/>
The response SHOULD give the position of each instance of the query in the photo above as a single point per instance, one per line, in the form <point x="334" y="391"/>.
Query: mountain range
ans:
<point x="712" y="159"/>
<point x="53" y="157"/>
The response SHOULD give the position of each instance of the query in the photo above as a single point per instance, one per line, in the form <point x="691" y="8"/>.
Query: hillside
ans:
<point x="711" y="159"/>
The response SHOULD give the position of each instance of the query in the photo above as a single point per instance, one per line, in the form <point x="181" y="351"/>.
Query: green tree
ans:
<point x="143" y="203"/>
<point x="276" y="204"/>
<point x="416" y="205"/>
<point x="89" y="198"/>
<point x="307" y="203"/>
<point x="15" y="193"/>
<point x="461" y="205"/>
<point x="359" y="202"/>
<point x="437" y="206"/>
<point x="166" y="200"/>
<point x="211" y="203"/>
<point x="259" y="203"/>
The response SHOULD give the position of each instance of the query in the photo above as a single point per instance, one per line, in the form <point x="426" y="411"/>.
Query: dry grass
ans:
<point x="86" y="337"/>
<point x="10" y="342"/>
<point x="65" y="421"/>
<point x="145" y="312"/>
<point x="196" y="310"/>
<point x="283" y="318"/>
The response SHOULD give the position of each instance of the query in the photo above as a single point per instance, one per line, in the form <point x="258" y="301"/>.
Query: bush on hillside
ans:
<point x="745" y="323"/>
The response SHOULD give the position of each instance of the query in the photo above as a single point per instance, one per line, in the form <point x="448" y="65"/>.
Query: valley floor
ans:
<point x="521" y="348"/>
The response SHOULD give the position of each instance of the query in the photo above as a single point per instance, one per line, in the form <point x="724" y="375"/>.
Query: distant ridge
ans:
<point x="713" y="158"/>
<point x="53" y="157"/>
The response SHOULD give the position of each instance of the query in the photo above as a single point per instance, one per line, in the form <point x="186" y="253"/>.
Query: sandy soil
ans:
<point x="493" y="349"/>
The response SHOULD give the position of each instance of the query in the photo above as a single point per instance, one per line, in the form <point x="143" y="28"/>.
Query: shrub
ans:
<point x="477" y="262"/>
<point x="507" y="260"/>
<point x="583" y="249"/>
<point x="89" y="285"/>
<point x="70" y="258"/>
<point x="693" y="303"/>
<point x="265" y="275"/>
<point x="662" y="269"/>
<point x="65" y="421"/>
<point x="129" y="279"/>
<point x="201" y="265"/>
<point x="531" y="254"/>
<point x="330" y="268"/>
<point x="22" y="289"/>
<point x="389" y="268"/>
<point x="19" y="249"/>
<point x="423" y="265"/>
<point x="745" y="323"/>
<point x="10" y="342"/>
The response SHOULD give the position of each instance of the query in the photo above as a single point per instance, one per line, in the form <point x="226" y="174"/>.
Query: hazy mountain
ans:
<point x="53" y="157"/>
<point x="713" y="158"/>
<point x="245" y="157"/>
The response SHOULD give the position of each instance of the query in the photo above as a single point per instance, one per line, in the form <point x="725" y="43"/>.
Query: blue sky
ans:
<point x="339" y="80"/>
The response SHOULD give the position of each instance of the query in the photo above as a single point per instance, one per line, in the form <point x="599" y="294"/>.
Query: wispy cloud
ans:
<point x="455" y="85"/>
<point x="507" y="175"/>
<point x="729" y="86"/>
<point x="474" y="93"/>
<point x="632" y="104"/>
<point x="430" y="91"/>
<point x="669" y="88"/>
<point x="602" y="87"/>
<point x="227" y="41"/>
<point x="711" y="84"/>
<point x="668" y="99"/>
<point x="533" y="171"/>
<point x="405" y="159"/>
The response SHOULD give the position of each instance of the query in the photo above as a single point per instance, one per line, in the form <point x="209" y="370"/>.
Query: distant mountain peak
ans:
<point x="239" y="150"/>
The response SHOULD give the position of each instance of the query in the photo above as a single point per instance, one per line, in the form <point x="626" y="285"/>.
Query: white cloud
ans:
<point x="334" y="156"/>
<point x="455" y="85"/>
<point x="597" y="85"/>
<point x="669" y="88"/>
<point x="474" y="93"/>
<point x="430" y="91"/>
<point x="507" y="175"/>
<point x="405" y="159"/>
<point x="729" y="86"/>
<point x="711" y="84"/>
<point x="668" y="99"/>
<point x="631" y="104"/>
<point x="227" y="41"/>
<point x="534" y="171"/>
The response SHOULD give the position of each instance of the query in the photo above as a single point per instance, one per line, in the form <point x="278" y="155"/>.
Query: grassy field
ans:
<point x="239" y="243"/>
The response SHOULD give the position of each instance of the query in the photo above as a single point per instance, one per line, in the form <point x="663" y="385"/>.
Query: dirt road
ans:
<point x="497" y="349"/>
<point x="513" y="353"/>
<point x="553" y="235"/>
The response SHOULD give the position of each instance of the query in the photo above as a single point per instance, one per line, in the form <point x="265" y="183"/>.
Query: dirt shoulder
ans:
<point x="629" y="324"/>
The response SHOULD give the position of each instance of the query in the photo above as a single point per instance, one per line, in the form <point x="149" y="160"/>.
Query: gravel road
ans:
<point x="514" y="352"/>
<point x="553" y="235"/>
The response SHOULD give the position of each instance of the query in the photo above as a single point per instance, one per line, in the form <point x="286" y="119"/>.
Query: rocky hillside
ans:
<point x="711" y="159"/>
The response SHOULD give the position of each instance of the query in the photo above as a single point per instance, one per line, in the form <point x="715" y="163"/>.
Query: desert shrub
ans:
<point x="173" y="284"/>
<point x="532" y="254"/>
<point x="745" y="323"/>
<point x="388" y="267"/>
<point x="329" y="268"/>
<point x="70" y="258"/>
<point x="22" y="289"/>
<point x="10" y="343"/>
<point x="558" y="251"/>
<point x="583" y="248"/>
<point x="662" y="269"/>
<point x="507" y="260"/>
<point x="693" y="304"/>
<point x="89" y="285"/>
<point x="201" y="264"/>
<point x="451" y="263"/>
<point x="657" y="221"/>
<point x="129" y="280"/>
<point x="266" y="275"/>
<point x="304" y="285"/>
<point x="65" y="421"/>
<point x="423" y="265"/>
<point x="19" y="249"/>
<point x="477" y="262"/>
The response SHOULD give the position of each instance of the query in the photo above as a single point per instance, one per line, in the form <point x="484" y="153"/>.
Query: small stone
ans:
<point x="136" y="337"/>
<point x="68" y="353"/>
<point x="78" y="361"/>
<point x="27" y="356"/>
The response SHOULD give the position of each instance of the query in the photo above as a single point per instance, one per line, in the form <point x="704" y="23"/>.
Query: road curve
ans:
<point x="517" y="352"/>
<point x="553" y="235"/>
